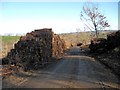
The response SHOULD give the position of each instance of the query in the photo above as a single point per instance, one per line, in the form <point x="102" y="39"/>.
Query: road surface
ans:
<point x="74" y="70"/>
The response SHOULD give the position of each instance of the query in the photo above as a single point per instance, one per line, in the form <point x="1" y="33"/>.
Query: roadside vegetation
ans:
<point x="7" y="43"/>
<point x="83" y="37"/>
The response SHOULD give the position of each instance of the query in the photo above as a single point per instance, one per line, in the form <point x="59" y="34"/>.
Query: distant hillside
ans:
<point x="84" y="37"/>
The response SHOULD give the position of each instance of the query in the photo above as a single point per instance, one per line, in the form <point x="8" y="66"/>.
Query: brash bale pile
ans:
<point x="101" y="44"/>
<point x="35" y="49"/>
<point x="113" y="40"/>
<point x="58" y="46"/>
<point x="97" y="45"/>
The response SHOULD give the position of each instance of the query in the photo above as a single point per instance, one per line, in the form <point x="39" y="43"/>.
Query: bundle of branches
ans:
<point x="58" y="46"/>
<point x="98" y="45"/>
<point x="112" y="41"/>
<point x="35" y="50"/>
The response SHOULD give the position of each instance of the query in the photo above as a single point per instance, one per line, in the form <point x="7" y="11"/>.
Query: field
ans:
<point x="7" y="43"/>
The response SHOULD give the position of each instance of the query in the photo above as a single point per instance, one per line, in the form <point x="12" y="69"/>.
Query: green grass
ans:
<point x="7" y="39"/>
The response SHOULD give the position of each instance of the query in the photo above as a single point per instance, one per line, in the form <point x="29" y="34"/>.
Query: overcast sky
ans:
<point x="62" y="17"/>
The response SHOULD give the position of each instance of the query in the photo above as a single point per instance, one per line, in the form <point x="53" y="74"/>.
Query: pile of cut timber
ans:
<point x="58" y="46"/>
<point x="102" y="45"/>
<point x="113" y="40"/>
<point x="35" y="50"/>
<point x="98" y="45"/>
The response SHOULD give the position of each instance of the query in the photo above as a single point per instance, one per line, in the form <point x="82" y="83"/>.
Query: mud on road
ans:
<point x="74" y="70"/>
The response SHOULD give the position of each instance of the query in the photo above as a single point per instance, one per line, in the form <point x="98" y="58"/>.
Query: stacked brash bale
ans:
<point x="101" y="44"/>
<point x="35" y="49"/>
<point x="97" y="45"/>
<point x="58" y="46"/>
<point x="113" y="40"/>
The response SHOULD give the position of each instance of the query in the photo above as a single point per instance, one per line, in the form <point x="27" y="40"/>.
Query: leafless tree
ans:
<point x="93" y="19"/>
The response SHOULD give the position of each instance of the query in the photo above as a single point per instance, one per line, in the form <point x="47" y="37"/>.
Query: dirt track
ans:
<point x="74" y="70"/>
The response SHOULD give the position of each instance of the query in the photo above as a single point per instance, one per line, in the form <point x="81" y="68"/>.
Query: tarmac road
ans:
<point x="74" y="70"/>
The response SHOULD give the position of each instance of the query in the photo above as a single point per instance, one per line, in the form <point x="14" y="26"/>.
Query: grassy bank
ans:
<point x="8" y="39"/>
<point x="7" y="43"/>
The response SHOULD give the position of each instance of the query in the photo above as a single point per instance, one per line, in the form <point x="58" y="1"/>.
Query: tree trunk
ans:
<point x="96" y="32"/>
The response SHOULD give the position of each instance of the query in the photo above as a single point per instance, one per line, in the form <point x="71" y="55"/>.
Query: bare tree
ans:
<point x="93" y="19"/>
